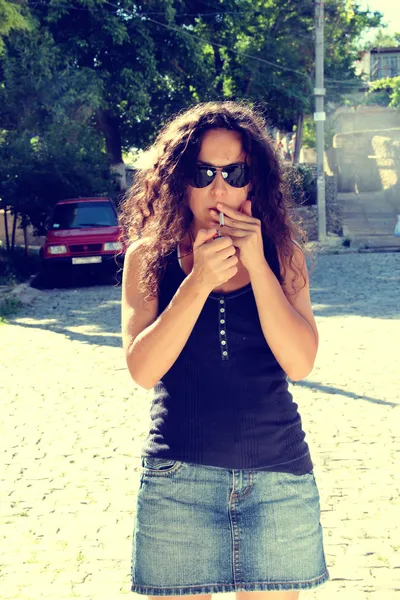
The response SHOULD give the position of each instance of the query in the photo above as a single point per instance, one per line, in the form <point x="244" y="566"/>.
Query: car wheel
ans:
<point x="51" y="277"/>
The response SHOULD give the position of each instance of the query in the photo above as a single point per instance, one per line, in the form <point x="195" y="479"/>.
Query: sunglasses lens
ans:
<point x="202" y="177"/>
<point x="238" y="176"/>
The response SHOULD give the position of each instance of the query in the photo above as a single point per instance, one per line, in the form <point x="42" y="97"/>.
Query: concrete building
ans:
<point x="379" y="63"/>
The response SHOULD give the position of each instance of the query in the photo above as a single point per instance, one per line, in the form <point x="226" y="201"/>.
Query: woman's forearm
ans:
<point x="290" y="337"/>
<point x="157" y="347"/>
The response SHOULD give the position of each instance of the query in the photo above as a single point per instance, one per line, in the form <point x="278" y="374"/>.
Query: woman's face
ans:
<point x="219" y="148"/>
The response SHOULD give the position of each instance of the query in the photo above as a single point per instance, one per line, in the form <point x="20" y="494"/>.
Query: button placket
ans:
<point x="222" y="329"/>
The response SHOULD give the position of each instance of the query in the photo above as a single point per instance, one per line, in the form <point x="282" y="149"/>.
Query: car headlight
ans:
<point x="57" y="249"/>
<point x="113" y="246"/>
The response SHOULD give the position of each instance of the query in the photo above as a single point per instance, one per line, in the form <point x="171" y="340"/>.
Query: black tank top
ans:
<point x="225" y="401"/>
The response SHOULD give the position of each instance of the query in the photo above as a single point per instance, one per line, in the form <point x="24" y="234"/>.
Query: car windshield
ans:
<point x="83" y="214"/>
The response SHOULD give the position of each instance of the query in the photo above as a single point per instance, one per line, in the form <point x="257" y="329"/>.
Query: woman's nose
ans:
<point x="218" y="185"/>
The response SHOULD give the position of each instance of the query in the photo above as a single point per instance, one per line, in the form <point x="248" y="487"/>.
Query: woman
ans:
<point x="214" y="318"/>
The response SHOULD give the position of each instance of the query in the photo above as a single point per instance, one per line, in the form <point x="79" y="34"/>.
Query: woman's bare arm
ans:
<point x="286" y="317"/>
<point x="153" y="342"/>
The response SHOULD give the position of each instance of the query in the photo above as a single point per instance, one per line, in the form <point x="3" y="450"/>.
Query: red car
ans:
<point x="83" y="233"/>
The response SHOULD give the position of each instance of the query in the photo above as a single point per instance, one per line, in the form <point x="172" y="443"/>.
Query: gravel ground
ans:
<point x="73" y="423"/>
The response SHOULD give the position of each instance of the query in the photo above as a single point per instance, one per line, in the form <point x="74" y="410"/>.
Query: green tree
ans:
<point x="268" y="51"/>
<point x="120" y="68"/>
<point x="383" y="40"/>
<point x="389" y="85"/>
<point x="11" y="19"/>
<point x="145" y="70"/>
<point x="48" y="150"/>
<point x="155" y="57"/>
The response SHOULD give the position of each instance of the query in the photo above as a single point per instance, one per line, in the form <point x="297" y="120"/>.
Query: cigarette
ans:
<point x="221" y="219"/>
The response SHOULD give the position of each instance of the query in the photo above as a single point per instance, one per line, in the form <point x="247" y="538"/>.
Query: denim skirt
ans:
<point x="201" y="529"/>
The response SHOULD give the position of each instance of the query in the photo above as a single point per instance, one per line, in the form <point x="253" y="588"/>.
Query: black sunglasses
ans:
<point x="237" y="175"/>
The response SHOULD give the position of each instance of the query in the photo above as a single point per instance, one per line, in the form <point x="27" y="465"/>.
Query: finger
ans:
<point x="235" y="231"/>
<point x="234" y="214"/>
<point x="203" y="236"/>
<point x="248" y="225"/>
<point x="235" y="224"/>
<point x="222" y="242"/>
<point x="239" y="240"/>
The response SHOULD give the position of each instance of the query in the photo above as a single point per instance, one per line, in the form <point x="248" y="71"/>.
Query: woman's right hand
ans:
<point x="214" y="260"/>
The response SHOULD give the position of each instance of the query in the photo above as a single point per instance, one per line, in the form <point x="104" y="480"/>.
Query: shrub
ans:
<point x="15" y="267"/>
<point x="303" y="184"/>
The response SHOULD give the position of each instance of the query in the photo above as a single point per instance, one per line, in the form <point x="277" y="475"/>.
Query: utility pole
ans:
<point x="319" y="116"/>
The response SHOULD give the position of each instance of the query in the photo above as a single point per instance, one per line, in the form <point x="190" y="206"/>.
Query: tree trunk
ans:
<point x="14" y="228"/>
<point x="299" y="137"/>
<point x="109" y="125"/>
<point x="25" y="241"/>
<point x="6" y="228"/>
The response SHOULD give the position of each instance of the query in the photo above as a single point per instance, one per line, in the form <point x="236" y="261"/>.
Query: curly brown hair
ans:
<point x="156" y="206"/>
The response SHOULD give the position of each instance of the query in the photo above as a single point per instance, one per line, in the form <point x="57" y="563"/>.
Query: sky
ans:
<point x="389" y="8"/>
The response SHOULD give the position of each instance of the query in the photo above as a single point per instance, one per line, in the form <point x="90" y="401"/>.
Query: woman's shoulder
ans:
<point x="138" y="255"/>
<point x="138" y="247"/>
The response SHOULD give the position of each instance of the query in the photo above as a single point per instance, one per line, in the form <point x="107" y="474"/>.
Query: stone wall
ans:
<point x="348" y="119"/>
<point x="387" y="153"/>
<point x="308" y="215"/>
<point x="367" y="161"/>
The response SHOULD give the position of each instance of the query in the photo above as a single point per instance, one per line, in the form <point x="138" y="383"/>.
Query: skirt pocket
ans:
<point x="159" y="467"/>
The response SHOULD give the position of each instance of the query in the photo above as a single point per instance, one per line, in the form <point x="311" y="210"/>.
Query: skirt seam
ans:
<point x="266" y="585"/>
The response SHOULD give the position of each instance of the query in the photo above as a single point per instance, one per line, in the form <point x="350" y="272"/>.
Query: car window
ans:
<point x="83" y="214"/>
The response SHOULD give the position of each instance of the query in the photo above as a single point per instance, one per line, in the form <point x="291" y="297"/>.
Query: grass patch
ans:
<point x="8" y="307"/>
<point x="15" y="268"/>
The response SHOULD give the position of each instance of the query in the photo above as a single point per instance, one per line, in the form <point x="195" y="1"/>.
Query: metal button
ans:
<point x="223" y="342"/>
<point x="222" y="310"/>
<point x="221" y="301"/>
<point x="222" y="332"/>
<point x="225" y="353"/>
<point x="222" y="321"/>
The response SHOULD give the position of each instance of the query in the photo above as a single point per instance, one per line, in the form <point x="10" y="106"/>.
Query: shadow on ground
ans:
<point x="79" y="279"/>
<point x="82" y="306"/>
<point x="336" y="391"/>
<point x="87" y="307"/>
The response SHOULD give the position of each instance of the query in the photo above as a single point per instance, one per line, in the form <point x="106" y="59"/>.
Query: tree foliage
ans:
<point x="390" y="85"/>
<point x="383" y="40"/>
<point x="146" y="71"/>
<point x="48" y="148"/>
<point x="11" y="19"/>
<point x="91" y="79"/>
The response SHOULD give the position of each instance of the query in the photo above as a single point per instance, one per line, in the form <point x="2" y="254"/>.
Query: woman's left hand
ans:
<point x="245" y="232"/>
